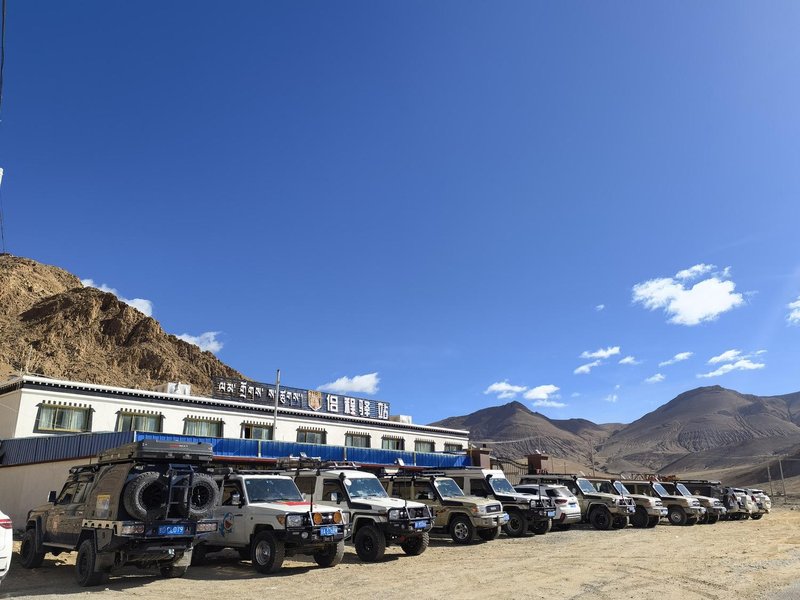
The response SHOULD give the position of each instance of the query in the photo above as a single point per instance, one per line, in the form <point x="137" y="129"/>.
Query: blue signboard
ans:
<point x="241" y="390"/>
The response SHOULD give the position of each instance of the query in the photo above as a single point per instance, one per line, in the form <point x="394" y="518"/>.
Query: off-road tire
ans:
<point x="756" y="517"/>
<point x="517" y="525"/>
<point x="204" y="496"/>
<point x="30" y="556"/>
<point x="416" y="545"/>
<point x="370" y="543"/>
<point x="487" y="535"/>
<point x="172" y="571"/>
<point x="712" y="519"/>
<point x="145" y="496"/>
<point x="652" y="522"/>
<point x="331" y="556"/>
<point x="692" y="520"/>
<point x="677" y="516"/>
<point x="199" y="555"/>
<point x="600" y="518"/>
<point x="267" y="552"/>
<point x="85" y="564"/>
<point x="541" y="527"/>
<point x="462" y="531"/>
<point x="619" y="522"/>
<point x="640" y="518"/>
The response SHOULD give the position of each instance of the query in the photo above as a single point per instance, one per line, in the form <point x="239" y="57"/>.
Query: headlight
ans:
<point x="294" y="520"/>
<point x="317" y="518"/>
<point x="206" y="527"/>
<point x="478" y="510"/>
<point x="532" y="504"/>
<point x="337" y="517"/>
<point x="394" y="514"/>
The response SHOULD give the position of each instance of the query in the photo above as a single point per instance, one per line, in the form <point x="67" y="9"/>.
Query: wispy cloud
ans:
<point x="600" y="307"/>
<point x="744" y="364"/>
<point x="541" y="392"/>
<point x="630" y="360"/>
<point x="587" y="368"/>
<point x="505" y="390"/>
<point x="611" y="398"/>
<point x="575" y="395"/>
<point x="140" y="304"/>
<point x="549" y="404"/>
<point x="657" y="378"/>
<point x="727" y="356"/>
<point x="358" y="384"/>
<point x="601" y="353"/>
<point x="704" y="301"/>
<point x="206" y="341"/>
<point x="679" y="357"/>
<point x="794" y="312"/>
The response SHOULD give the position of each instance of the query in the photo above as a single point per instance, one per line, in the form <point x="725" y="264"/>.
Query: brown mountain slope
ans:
<point x="56" y="327"/>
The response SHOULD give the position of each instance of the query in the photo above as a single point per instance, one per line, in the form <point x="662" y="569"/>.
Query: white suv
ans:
<point x="568" y="511"/>
<point x="6" y="545"/>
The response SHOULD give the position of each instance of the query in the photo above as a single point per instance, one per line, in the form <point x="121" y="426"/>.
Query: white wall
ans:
<point x="9" y="410"/>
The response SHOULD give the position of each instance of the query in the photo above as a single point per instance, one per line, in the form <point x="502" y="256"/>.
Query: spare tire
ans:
<point x="146" y="496"/>
<point x="204" y="497"/>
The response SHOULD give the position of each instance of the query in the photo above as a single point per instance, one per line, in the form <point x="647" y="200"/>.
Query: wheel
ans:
<point x="267" y="552"/>
<point x="30" y="556"/>
<point x="517" y="525"/>
<point x="199" y="554"/>
<point x="542" y="527"/>
<point x="487" y="535"/>
<point x="331" y="556"/>
<point x="619" y="522"/>
<point x="600" y="518"/>
<point x="145" y="496"/>
<point x="712" y="519"/>
<point x="416" y="545"/>
<point x="461" y="530"/>
<point x="204" y="497"/>
<point x="652" y="521"/>
<point x="677" y="516"/>
<point x="370" y="543"/>
<point x="756" y="517"/>
<point x="85" y="566"/>
<point x="640" y="518"/>
<point x="691" y="520"/>
<point x="171" y="571"/>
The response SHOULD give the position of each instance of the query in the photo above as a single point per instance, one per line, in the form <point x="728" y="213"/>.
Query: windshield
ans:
<point x="586" y="486"/>
<point x="683" y="490"/>
<point x="448" y="488"/>
<point x="618" y="485"/>
<point x="501" y="485"/>
<point x="272" y="490"/>
<point x="365" y="487"/>
<point x="660" y="489"/>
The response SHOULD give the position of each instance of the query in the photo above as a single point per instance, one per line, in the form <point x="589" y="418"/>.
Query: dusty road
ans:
<point x="744" y="559"/>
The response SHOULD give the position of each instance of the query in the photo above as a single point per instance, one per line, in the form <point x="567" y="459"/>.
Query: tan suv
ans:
<point x="649" y="510"/>
<point x="453" y="512"/>
<point x="680" y="510"/>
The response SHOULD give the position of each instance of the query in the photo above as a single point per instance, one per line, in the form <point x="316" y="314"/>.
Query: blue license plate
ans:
<point x="551" y="513"/>
<point x="325" y="531"/>
<point x="420" y="524"/>
<point x="172" y="530"/>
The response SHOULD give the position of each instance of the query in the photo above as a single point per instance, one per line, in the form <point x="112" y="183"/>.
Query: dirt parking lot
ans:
<point x="744" y="559"/>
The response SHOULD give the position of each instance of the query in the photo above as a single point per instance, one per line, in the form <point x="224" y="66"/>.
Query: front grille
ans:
<point x="417" y="513"/>
<point x="659" y="503"/>
<point x="493" y="508"/>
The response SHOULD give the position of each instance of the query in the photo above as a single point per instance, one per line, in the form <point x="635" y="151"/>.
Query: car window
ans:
<point x="228" y="490"/>
<point x="67" y="494"/>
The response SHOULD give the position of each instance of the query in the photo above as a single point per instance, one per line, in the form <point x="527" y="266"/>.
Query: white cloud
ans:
<point x="630" y="360"/>
<point x="727" y="356"/>
<point x="361" y="384"/>
<point x="705" y="301"/>
<point x="658" y="377"/>
<point x="505" y="390"/>
<point x="575" y="395"/>
<point x="587" y="368"/>
<point x="744" y="364"/>
<point x="679" y="357"/>
<point x="541" y="392"/>
<point x="206" y="341"/>
<point x="140" y="304"/>
<point x="794" y="312"/>
<point x="601" y="353"/>
<point x="600" y="307"/>
<point x="611" y="398"/>
<point x="549" y="404"/>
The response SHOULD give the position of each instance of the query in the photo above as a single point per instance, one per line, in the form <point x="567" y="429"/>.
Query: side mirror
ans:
<point x="236" y="499"/>
<point x="336" y="497"/>
<point x="52" y="496"/>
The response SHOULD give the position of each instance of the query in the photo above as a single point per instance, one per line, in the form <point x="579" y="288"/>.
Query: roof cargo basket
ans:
<point x="155" y="450"/>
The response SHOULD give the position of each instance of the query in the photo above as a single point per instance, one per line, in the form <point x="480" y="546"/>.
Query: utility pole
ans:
<point x="769" y="477"/>
<point x="783" y="481"/>
<point x="277" y="395"/>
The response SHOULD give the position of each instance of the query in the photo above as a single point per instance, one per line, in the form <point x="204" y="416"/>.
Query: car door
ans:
<point x="234" y="526"/>
<point x="73" y="513"/>
<point x="54" y="533"/>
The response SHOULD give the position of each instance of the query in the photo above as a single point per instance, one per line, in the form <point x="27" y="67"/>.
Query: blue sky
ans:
<point x="441" y="194"/>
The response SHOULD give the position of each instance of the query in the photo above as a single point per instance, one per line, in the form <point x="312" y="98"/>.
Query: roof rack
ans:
<point x="156" y="450"/>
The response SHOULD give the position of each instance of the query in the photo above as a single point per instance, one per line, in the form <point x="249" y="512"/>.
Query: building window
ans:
<point x="453" y="448"/>
<point x="255" y="431"/>
<point x="391" y="443"/>
<point x="310" y="436"/>
<point x="133" y="421"/>
<point x="357" y="440"/>
<point x="424" y="446"/>
<point x="53" y="418"/>
<point x="202" y="427"/>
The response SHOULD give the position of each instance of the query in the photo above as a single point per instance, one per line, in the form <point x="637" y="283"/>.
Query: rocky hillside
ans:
<point x="50" y="324"/>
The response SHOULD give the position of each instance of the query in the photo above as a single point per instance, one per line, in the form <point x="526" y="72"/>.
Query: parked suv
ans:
<point x="603" y="511"/>
<point x="649" y="510"/>
<point x="453" y="511"/>
<point x="680" y="510"/>
<point x="746" y="503"/>
<point x="144" y="503"/>
<point x="376" y="520"/>
<point x="763" y="502"/>
<point x="264" y="516"/>
<point x="525" y="511"/>
<point x="567" y="509"/>
<point x="713" y="506"/>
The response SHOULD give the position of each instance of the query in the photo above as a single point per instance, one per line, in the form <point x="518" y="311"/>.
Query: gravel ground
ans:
<point x="747" y="559"/>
